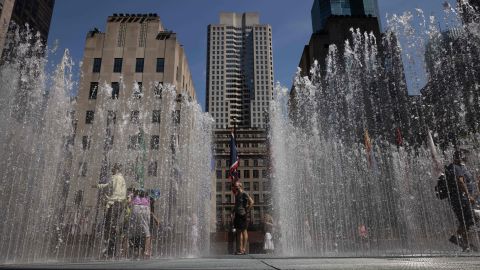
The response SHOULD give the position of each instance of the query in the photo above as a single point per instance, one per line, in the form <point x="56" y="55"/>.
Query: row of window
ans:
<point x="134" y="117"/>
<point x="118" y="63"/>
<point x="92" y="95"/>
<point x="132" y="169"/>
<point x="243" y="174"/>
<point x="135" y="142"/>
<point x="256" y="198"/>
<point x="246" y="186"/>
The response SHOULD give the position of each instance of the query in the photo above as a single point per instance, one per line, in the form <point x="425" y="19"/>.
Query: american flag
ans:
<point x="234" y="160"/>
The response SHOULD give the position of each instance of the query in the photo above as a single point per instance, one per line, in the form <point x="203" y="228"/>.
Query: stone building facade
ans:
<point x="121" y="109"/>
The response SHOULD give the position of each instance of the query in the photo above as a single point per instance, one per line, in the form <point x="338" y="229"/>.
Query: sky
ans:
<point x="290" y="21"/>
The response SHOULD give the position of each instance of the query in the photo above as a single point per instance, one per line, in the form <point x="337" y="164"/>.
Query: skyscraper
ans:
<point x="332" y="21"/>
<point x="239" y="91"/>
<point x="323" y="9"/>
<point x="239" y="70"/>
<point x="36" y="13"/>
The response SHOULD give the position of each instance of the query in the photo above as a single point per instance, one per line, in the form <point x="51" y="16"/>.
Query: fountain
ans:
<point x="45" y="215"/>
<point x="352" y="168"/>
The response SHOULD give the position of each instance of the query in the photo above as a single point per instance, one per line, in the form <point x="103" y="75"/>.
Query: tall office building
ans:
<point x="331" y="23"/>
<point x="239" y="91"/>
<point x="323" y="9"/>
<point x="239" y="71"/>
<point x="36" y="13"/>
<point x="120" y="106"/>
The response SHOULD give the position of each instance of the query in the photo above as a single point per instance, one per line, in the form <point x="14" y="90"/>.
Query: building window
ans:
<point x="111" y="118"/>
<point x="246" y="163"/>
<point x="228" y="186"/>
<point x="246" y="186"/>
<point x="138" y="90"/>
<point x="266" y="186"/>
<point x="226" y="173"/>
<point x="89" y="117"/>
<point x="255" y="163"/>
<point x="135" y="117"/>
<point x="160" y="64"/>
<point x="83" y="169"/>
<point x="255" y="174"/>
<point x="256" y="186"/>
<point x="152" y="168"/>
<point x="219" y="187"/>
<point x="117" y="65"/>
<point x="139" y="65"/>
<point x="156" y="116"/>
<point x="133" y="142"/>
<point x="256" y="198"/>
<point x="93" y="90"/>
<point x="85" y="143"/>
<point x="154" y="142"/>
<point x="246" y="174"/>
<point x="97" y="65"/>
<point x="219" y="174"/>
<point x="264" y="174"/>
<point x="115" y="90"/>
<point x="157" y="90"/>
<point x="228" y="198"/>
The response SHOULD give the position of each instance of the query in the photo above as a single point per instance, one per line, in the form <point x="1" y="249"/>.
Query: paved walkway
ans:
<point x="262" y="262"/>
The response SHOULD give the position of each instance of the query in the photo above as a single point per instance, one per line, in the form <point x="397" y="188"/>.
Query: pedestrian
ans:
<point x="115" y="208"/>
<point x="461" y="201"/>
<point x="470" y="181"/>
<point x="139" y="229"/>
<point x="243" y="204"/>
<point x="268" y="245"/>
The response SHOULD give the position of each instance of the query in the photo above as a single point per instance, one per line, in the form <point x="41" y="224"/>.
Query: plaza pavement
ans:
<point x="270" y="262"/>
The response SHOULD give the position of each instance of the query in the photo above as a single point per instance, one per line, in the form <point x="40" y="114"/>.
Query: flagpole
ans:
<point x="235" y="130"/>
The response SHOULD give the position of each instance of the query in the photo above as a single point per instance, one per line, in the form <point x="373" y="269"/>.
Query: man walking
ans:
<point x="461" y="201"/>
<point x="115" y="206"/>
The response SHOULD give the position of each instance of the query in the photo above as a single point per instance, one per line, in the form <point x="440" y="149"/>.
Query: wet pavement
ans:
<point x="266" y="262"/>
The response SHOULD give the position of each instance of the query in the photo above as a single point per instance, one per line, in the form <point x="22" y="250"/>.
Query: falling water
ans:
<point x="335" y="197"/>
<point x="43" y="216"/>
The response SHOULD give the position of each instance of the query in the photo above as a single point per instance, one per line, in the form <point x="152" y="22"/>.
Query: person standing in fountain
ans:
<point x="140" y="222"/>
<point x="461" y="201"/>
<point x="243" y="204"/>
<point x="268" y="245"/>
<point x="115" y="208"/>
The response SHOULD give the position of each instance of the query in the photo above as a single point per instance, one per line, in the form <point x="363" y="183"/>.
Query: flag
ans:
<point x="234" y="160"/>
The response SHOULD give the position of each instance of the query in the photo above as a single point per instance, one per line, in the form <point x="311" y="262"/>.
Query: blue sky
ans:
<point x="290" y="21"/>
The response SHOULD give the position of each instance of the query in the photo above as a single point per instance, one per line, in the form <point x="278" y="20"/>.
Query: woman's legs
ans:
<point x="148" y="247"/>
<point x="244" y="241"/>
